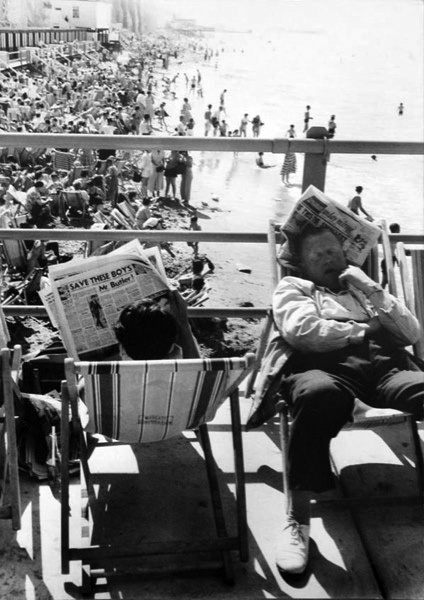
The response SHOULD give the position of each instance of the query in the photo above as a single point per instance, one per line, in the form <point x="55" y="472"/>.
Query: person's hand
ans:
<point x="177" y="306"/>
<point x="357" y="278"/>
<point x="374" y="330"/>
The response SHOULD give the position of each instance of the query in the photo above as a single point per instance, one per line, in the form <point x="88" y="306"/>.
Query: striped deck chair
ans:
<point x="10" y="499"/>
<point x="151" y="401"/>
<point x="128" y="211"/>
<point x="62" y="161"/>
<point x="120" y="220"/>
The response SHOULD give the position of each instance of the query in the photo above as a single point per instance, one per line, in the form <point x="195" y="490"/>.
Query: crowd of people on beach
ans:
<point x="60" y="186"/>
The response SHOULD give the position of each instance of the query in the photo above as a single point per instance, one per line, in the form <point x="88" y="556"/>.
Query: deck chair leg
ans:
<point x="263" y="340"/>
<point x="240" y="478"/>
<point x="64" y="488"/>
<point x="419" y="465"/>
<point x="87" y="583"/>
<point x="12" y="448"/>
<point x="216" y="500"/>
<point x="284" y="443"/>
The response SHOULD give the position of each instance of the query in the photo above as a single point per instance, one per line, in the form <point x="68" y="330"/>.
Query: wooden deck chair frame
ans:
<point x="412" y="281"/>
<point x="9" y="475"/>
<point x="205" y="384"/>
<point x="15" y="254"/>
<point x="391" y="416"/>
<point x="388" y="257"/>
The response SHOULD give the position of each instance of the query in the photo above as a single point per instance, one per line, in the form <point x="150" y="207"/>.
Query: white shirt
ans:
<point x="314" y="319"/>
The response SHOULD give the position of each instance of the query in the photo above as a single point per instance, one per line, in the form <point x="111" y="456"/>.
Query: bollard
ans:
<point x="315" y="165"/>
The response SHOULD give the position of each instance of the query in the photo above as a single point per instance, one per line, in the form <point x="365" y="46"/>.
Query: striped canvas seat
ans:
<point x="62" y="161"/>
<point x="151" y="401"/>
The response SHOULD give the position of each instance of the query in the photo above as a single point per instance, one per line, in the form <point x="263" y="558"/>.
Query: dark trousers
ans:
<point x="321" y="388"/>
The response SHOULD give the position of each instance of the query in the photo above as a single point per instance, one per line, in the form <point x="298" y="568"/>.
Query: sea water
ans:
<point x="356" y="59"/>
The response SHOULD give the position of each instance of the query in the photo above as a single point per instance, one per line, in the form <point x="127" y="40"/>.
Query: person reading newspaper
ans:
<point x="88" y="295"/>
<point x="156" y="330"/>
<point x="340" y="337"/>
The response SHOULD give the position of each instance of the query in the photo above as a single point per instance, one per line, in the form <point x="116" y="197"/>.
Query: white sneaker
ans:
<point x="292" y="548"/>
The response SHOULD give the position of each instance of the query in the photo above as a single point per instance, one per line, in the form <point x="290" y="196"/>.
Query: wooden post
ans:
<point x="315" y="165"/>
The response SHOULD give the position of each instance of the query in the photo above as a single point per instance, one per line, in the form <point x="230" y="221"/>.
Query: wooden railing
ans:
<point x="314" y="173"/>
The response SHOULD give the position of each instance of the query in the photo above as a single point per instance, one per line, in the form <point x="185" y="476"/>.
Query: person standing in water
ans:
<point x="307" y="117"/>
<point x="331" y="127"/>
<point x="355" y="204"/>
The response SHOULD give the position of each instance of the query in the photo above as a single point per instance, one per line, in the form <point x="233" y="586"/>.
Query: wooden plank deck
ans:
<point x="367" y="553"/>
<point x="381" y="462"/>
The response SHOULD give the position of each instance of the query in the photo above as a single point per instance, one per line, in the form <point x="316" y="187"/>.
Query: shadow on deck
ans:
<point x="368" y="552"/>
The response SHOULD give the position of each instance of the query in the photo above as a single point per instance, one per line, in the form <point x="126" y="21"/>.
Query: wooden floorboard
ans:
<point x="381" y="462"/>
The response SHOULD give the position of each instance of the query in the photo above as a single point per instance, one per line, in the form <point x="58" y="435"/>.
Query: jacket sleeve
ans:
<point x="299" y="322"/>
<point x="399" y="323"/>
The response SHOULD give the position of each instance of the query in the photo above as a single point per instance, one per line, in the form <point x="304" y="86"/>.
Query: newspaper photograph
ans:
<point x="356" y="235"/>
<point x="89" y="294"/>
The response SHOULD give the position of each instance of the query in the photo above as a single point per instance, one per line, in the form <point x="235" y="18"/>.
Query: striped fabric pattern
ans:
<point x="147" y="401"/>
<point x="62" y="161"/>
<point x="417" y="260"/>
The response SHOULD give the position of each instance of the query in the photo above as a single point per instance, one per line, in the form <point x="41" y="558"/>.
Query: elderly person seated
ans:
<point x="341" y="337"/>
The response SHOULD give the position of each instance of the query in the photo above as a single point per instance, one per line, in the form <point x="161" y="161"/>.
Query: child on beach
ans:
<point x="307" y="117"/>
<point x="331" y="127"/>
<point x="194" y="226"/>
<point x="260" y="161"/>
<point x="355" y="204"/>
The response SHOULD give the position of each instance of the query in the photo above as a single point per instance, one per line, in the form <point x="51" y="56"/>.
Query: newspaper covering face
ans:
<point x="357" y="236"/>
<point x="87" y="295"/>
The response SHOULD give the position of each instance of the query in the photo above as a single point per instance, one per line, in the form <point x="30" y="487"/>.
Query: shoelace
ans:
<point x="296" y="530"/>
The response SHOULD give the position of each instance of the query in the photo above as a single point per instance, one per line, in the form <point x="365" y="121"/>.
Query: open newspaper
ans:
<point x="87" y="295"/>
<point x="356" y="235"/>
